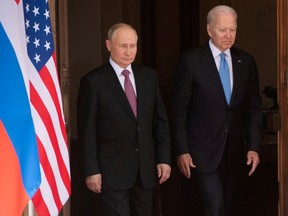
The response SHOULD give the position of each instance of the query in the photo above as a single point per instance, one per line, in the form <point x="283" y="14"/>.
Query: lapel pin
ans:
<point x="239" y="61"/>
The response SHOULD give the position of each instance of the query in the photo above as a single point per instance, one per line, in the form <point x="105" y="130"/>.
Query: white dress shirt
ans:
<point x="216" y="54"/>
<point x="118" y="70"/>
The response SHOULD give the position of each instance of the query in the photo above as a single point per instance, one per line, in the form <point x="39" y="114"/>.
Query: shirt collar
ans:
<point x="119" y="69"/>
<point x="216" y="52"/>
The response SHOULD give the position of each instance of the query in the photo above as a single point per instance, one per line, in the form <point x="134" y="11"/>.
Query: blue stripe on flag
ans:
<point x="16" y="115"/>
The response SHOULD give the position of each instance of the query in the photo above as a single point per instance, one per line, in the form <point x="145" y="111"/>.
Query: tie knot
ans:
<point x="222" y="55"/>
<point x="125" y="73"/>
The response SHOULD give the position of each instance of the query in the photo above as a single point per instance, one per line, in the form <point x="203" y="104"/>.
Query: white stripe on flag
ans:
<point x="44" y="137"/>
<point x="47" y="194"/>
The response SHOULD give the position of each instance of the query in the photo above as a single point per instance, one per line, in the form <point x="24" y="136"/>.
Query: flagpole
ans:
<point x="30" y="208"/>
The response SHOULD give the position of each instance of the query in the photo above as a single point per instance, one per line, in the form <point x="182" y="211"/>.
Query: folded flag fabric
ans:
<point x="34" y="157"/>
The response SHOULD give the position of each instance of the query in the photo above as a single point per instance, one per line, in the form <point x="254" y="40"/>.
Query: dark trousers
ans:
<point x="219" y="189"/>
<point x="136" y="201"/>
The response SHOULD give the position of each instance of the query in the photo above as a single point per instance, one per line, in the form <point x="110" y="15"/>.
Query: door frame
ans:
<point x="62" y="47"/>
<point x="282" y="61"/>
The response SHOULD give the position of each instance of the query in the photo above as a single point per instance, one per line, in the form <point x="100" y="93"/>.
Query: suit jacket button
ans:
<point x="136" y="149"/>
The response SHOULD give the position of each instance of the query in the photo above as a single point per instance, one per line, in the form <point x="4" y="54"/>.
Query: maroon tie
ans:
<point x="129" y="91"/>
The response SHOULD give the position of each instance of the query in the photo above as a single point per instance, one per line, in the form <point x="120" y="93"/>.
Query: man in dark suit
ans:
<point x="210" y="124"/>
<point x="126" y="147"/>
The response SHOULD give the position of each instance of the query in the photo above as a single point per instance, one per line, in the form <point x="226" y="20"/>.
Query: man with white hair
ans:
<point x="216" y="109"/>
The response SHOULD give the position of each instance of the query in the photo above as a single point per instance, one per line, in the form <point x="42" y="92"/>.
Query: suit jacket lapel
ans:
<point x="114" y="84"/>
<point x="140" y="89"/>
<point x="211" y="68"/>
<point x="236" y="61"/>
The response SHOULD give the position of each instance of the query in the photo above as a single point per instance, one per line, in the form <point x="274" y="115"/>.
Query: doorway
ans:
<point x="70" y="65"/>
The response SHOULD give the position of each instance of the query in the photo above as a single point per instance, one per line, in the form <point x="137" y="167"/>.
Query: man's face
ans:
<point x="123" y="46"/>
<point x="222" y="31"/>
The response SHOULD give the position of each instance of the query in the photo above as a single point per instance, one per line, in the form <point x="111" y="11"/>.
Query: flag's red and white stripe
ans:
<point x="51" y="138"/>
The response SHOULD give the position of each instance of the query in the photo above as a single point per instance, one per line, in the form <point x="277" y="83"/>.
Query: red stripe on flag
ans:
<point x="42" y="208"/>
<point x="47" y="80"/>
<point x="37" y="102"/>
<point x="49" y="173"/>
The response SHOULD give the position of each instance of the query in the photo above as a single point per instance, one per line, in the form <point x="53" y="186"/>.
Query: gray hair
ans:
<point x="117" y="26"/>
<point x="220" y="9"/>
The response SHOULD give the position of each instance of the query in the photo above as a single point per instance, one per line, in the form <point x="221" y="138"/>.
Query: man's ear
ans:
<point x="208" y="27"/>
<point x="108" y="45"/>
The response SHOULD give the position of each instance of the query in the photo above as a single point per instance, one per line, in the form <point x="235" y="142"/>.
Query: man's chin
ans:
<point x="227" y="45"/>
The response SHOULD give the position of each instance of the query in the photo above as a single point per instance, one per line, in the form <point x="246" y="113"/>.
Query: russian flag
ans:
<point x="19" y="160"/>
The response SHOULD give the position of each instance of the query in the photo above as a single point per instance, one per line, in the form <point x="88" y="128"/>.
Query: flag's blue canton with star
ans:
<point x="39" y="37"/>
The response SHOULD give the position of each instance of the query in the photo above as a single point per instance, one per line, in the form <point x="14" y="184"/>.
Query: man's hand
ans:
<point x="94" y="183"/>
<point x="184" y="163"/>
<point x="163" y="171"/>
<point x="252" y="157"/>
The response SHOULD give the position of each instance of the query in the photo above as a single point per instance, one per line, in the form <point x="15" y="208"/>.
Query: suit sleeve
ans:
<point x="181" y="97"/>
<point x="254" y="116"/>
<point x="86" y="119"/>
<point x="161" y="132"/>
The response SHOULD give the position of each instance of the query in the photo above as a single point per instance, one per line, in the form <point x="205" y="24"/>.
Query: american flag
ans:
<point x="47" y="114"/>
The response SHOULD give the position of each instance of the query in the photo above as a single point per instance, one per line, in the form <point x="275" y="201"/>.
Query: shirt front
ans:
<point x="118" y="70"/>
<point x="217" y="58"/>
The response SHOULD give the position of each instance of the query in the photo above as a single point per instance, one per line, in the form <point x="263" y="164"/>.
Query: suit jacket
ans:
<point x="114" y="142"/>
<point x="204" y="125"/>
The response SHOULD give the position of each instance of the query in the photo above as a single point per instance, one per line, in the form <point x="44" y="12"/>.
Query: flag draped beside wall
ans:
<point x="34" y="158"/>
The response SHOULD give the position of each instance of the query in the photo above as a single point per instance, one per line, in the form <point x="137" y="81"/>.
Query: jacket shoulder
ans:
<point x="241" y="53"/>
<point x="139" y="67"/>
<point x="99" y="70"/>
